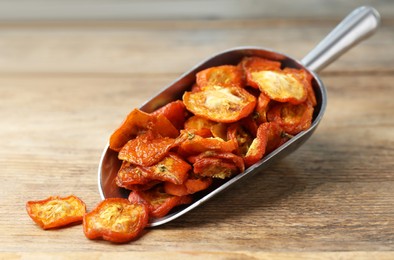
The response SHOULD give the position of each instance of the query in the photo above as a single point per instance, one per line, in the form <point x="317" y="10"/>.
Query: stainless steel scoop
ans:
<point x="358" y="25"/>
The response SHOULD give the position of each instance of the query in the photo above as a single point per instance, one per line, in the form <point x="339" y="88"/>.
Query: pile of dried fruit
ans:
<point x="232" y="116"/>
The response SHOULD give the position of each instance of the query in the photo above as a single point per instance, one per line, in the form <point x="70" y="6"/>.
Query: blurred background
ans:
<point x="101" y="36"/>
<point x="35" y="10"/>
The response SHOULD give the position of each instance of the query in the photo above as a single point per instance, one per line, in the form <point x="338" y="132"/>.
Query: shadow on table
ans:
<point x="283" y="184"/>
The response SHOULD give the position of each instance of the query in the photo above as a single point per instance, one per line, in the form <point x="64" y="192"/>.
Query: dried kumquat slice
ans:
<point x="143" y="187"/>
<point x="269" y="137"/>
<point x="253" y="64"/>
<point x="225" y="157"/>
<point x="195" y="144"/>
<point x="241" y="137"/>
<point x="306" y="78"/>
<point x="190" y="186"/>
<point x="225" y="76"/>
<point x="138" y="122"/>
<point x="55" y="212"/>
<point x="292" y="118"/>
<point x="135" y="123"/>
<point x="261" y="108"/>
<point x="171" y="169"/>
<point x="275" y="136"/>
<point x="157" y="201"/>
<point x="220" y="104"/>
<point x="257" y="148"/>
<point x="219" y="130"/>
<point x="199" y="125"/>
<point x="175" y="112"/>
<point x="250" y="124"/>
<point x="116" y="220"/>
<point x="281" y="86"/>
<point x="129" y="175"/>
<point x="175" y="189"/>
<point x="146" y="149"/>
<point x="214" y="167"/>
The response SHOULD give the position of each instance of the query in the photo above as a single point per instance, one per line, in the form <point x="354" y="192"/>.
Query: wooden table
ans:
<point x="64" y="87"/>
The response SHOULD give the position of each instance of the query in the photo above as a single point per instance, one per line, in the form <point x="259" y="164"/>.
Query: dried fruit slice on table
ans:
<point x="55" y="211"/>
<point x="116" y="220"/>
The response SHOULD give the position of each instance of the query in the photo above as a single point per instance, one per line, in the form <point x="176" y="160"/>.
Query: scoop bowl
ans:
<point x="358" y="25"/>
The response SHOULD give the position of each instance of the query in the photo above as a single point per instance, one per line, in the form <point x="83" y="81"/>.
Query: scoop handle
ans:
<point x="357" y="26"/>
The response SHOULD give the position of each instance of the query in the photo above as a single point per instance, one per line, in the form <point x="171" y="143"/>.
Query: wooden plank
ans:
<point x="134" y="48"/>
<point x="333" y="194"/>
<point x="65" y="86"/>
<point x="198" y="255"/>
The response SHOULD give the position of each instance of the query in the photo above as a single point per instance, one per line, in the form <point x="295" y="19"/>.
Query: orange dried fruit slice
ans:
<point x="195" y="144"/>
<point x="129" y="175"/>
<point x="171" y="169"/>
<point x="157" y="201"/>
<point x="226" y="76"/>
<point x="55" y="212"/>
<point x="138" y="122"/>
<point x="253" y="64"/>
<point x="241" y="137"/>
<point x="146" y="149"/>
<point x="175" y="112"/>
<point x="217" y="164"/>
<point x="281" y="86"/>
<point x="268" y="138"/>
<point x="190" y="186"/>
<point x="220" y="104"/>
<point x="261" y="109"/>
<point x="306" y="78"/>
<point x="199" y="125"/>
<point x="116" y="220"/>
<point x="292" y="118"/>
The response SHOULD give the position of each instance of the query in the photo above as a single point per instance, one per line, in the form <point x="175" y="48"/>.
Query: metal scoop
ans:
<point x="358" y="25"/>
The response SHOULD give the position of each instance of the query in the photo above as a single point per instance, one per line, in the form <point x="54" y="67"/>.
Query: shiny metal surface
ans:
<point x="360" y="24"/>
<point x="357" y="26"/>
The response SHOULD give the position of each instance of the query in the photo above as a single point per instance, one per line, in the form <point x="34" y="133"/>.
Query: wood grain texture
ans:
<point x="126" y="48"/>
<point x="216" y="255"/>
<point x="65" y="87"/>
